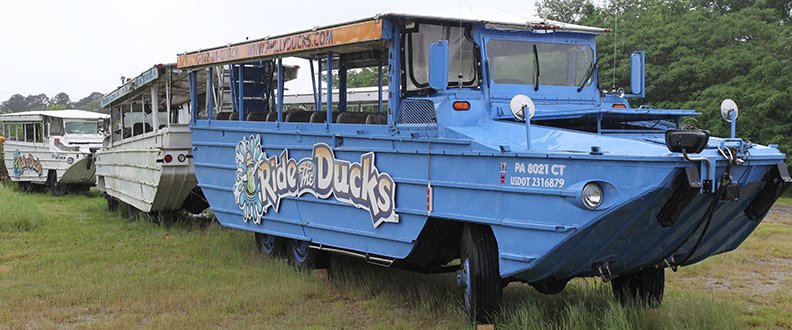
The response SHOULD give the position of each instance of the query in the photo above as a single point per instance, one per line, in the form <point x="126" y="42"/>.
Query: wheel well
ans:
<point x="439" y="243"/>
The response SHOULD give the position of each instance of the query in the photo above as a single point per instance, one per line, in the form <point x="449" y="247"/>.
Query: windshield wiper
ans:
<point x="536" y="68"/>
<point x="588" y="75"/>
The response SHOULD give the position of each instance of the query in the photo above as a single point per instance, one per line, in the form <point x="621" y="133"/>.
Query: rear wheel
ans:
<point x="478" y="276"/>
<point x="131" y="212"/>
<point x="112" y="203"/>
<point x="303" y="257"/>
<point x="269" y="245"/>
<point x="644" y="287"/>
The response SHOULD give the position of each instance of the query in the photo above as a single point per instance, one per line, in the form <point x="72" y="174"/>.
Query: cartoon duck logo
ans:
<point x="23" y="164"/>
<point x="246" y="187"/>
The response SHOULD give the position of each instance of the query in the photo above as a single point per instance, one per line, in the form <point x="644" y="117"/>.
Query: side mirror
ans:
<point x="637" y="74"/>
<point x="438" y="65"/>
<point x="690" y="140"/>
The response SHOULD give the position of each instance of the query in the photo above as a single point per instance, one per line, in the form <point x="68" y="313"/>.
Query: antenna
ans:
<point x="615" y="39"/>
<point x="460" y="77"/>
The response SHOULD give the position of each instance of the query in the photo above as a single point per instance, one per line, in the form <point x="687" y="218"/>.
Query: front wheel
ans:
<point x="479" y="276"/>
<point x="644" y="287"/>
<point x="56" y="188"/>
<point x="269" y="245"/>
<point x="25" y="186"/>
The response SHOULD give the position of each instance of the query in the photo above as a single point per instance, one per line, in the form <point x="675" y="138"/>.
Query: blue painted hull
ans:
<point x="542" y="231"/>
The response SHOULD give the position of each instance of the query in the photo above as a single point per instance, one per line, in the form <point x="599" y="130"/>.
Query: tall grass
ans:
<point x="82" y="266"/>
<point x="18" y="212"/>
<point x="584" y="304"/>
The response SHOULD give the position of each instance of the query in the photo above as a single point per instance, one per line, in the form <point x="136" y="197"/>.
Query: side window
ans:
<point x="30" y="132"/>
<point x="55" y="127"/>
<point x="462" y="56"/>
<point x="116" y="128"/>
<point x="40" y="132"/>
<point x="11" y="132"/>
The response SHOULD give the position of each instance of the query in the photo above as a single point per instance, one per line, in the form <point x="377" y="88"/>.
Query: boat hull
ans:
<point x="134" y="172"/>
<point x="543" y="230"/>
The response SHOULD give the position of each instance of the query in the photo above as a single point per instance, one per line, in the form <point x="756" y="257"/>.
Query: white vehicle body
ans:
<point x="41" y="146"/>
<point x="146" y="161"/>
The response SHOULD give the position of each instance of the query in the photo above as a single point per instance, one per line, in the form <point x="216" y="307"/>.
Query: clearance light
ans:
<point x="461" y="106"/>
<point x="168" y="158"/>
<point x="619" y="106"/>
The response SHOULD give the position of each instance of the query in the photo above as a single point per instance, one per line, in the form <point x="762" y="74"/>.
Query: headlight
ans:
<point x="592" y="195"/>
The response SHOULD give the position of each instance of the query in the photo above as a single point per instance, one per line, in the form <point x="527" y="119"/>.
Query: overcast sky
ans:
<point x="83" y="46"/>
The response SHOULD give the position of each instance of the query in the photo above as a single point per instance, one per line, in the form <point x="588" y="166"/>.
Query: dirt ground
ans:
<point x="781" y="214"/>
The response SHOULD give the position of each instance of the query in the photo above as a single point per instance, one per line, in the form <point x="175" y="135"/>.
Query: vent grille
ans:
<point x="417" y="112"/>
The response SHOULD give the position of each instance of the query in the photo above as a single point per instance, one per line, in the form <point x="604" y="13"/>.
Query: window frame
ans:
<point x="423" y="88"/>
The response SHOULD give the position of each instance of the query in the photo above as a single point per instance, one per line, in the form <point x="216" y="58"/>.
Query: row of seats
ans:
<point x="302" y="116"/>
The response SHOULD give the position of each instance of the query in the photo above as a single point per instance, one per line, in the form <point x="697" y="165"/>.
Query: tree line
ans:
<point x="699" y="52"/>
<point x="19" y="103"/>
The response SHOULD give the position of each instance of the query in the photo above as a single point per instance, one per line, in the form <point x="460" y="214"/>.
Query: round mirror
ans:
<point x="518" y="105"/>
<point x="727" y="106"/>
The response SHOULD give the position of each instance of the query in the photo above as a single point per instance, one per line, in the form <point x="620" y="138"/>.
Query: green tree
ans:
<point x="61" y="100"/>
<point x="700" y="52"/>
<point x="90" y="102"/>
<point x="16" y="103"/>
<point x="568" y="11"/>
<point x="37" y="102"/>
<point x="363" y="77"/>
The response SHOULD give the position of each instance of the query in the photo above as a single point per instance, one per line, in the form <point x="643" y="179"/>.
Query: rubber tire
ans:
<point x="482" y="290"/>
<point x="56" y="188"/>
<point x="302" y="257"/>
<point x="644" y="287"/>
<point x="270" y="245"/>
<point x="112" y="203"/>
<point x="550" y="286"/>
<point x="132" y="213"/>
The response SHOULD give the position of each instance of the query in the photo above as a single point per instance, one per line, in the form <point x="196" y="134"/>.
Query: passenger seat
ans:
<point x="223" y="115"/>
<point x="348" y="117"/>
<point x="259" y="116"/>
<point x="377" y="119"/>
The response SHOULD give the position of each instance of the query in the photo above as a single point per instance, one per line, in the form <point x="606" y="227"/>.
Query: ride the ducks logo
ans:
<point x="262" y="182"/>
<point x="22" y="164"/>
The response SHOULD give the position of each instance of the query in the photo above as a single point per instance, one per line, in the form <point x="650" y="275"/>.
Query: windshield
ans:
<point x="513" y="62"/>
<point x="81" y="127"/>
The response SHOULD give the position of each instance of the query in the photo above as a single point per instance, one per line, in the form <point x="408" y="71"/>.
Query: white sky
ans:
<point x="83" y="46"/>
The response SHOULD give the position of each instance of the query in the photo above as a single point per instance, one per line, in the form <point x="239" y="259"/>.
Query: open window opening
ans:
<point x="251" y="91"/>
<point x="161" y="99"/>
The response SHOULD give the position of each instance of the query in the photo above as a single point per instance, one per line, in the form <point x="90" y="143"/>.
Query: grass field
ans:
<point x="68" y="262"/>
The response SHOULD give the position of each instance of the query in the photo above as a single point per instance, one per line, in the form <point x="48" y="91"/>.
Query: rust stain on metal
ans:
<point x="313" y="40"/>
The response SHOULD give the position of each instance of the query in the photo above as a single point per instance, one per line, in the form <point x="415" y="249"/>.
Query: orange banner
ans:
<point x="342" y="35"/>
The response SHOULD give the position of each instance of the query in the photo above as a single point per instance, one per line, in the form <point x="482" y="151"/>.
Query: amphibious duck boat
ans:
<point x="495" y="155"/>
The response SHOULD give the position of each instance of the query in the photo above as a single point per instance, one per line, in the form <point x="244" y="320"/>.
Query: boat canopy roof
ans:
<point x="63" y="114"/>
<point x="359" y="35"/>
<point x="179" y="84"/>
<point x="145" y="79"/>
